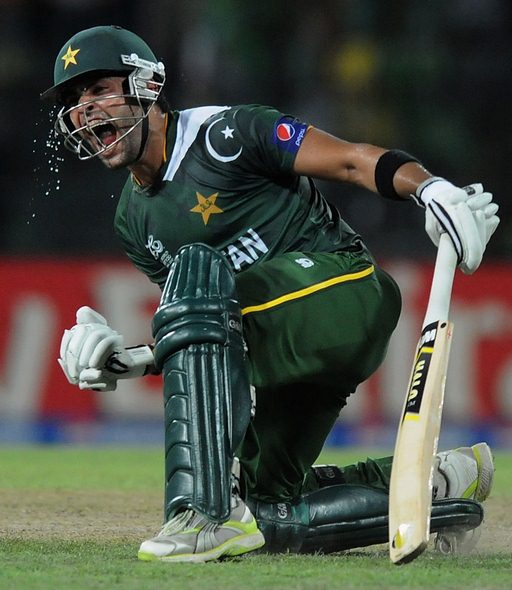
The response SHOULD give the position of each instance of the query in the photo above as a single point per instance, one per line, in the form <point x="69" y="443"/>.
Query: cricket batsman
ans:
<point x="272" y="308"/>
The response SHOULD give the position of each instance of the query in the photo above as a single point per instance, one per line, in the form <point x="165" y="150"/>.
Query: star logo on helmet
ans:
<point x="206" y="206"/>
<point x="70" y="57"/>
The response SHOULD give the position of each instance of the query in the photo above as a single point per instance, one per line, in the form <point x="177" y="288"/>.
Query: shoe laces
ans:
<point x="189" y="519"/>
<point x="178" y="523"/>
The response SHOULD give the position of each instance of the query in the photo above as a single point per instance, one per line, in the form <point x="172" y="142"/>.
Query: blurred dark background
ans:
<point x="432" y="78"/>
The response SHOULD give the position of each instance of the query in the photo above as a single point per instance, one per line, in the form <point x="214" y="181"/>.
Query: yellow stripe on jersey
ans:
<point x="308" y="290"/>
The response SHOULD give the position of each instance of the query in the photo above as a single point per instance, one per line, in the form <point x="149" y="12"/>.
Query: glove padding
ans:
<point x="467" y="215"/>
<point x="93" y="356"/>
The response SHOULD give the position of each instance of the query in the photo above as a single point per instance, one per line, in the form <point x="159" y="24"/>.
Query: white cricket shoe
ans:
<point x="466" y="472"/>
<point x="190" y="537"/>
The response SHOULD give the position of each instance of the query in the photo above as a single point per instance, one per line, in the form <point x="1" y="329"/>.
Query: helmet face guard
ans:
<point x="142" y="92"/>
<point x="100" y="52"/>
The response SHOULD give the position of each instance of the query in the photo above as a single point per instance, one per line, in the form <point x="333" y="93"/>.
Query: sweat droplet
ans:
<point x="52" y="158"/>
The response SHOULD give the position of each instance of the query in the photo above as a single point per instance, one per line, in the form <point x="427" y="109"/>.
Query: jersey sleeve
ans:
<point x="269" y="140"/>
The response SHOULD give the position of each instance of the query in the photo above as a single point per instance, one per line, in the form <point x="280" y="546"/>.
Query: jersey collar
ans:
<point x="169" y="140"/>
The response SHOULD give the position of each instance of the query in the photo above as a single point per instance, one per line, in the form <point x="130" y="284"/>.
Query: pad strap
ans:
<point x="328" y="475"/>
<point x="200" y="349"/>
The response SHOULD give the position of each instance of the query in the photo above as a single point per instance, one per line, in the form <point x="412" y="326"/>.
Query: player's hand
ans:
<point x="93" y="356"/>
<point x="467" y="215"/>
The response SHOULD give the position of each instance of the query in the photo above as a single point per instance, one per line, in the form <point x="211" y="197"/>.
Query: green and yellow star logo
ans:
<point x="70" y="57"/>
<point x="206" y="206"/>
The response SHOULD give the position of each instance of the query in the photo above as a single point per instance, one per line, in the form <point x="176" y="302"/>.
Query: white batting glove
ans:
<point x="467" y="215"/>
<point x="93" y="356"/>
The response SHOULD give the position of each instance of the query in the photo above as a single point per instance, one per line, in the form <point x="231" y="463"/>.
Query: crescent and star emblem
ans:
<point x="228" y="133"/>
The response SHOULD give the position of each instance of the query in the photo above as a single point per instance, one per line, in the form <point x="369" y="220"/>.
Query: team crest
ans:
<point x="206" y="206"/>
<point x="70" y="57"/>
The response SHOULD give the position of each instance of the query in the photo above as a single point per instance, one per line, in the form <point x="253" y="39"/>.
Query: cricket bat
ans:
<point x="410" y="491"/>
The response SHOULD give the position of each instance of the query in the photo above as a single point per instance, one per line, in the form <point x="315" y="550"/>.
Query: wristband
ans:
<point x="385" y="170"/>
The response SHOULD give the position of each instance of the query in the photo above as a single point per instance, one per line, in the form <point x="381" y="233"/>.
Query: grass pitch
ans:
<point x="74" y="518"/>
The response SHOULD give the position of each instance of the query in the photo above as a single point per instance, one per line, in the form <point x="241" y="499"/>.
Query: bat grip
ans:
<point x="441" y="290"/>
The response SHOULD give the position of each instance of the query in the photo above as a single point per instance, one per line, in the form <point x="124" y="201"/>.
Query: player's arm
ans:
<point x="468" y="215"/>
<point x="322" y="155"/>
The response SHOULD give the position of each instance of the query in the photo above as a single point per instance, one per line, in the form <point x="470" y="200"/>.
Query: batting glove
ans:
<point x="467" y="215"/>
<point x="93" y="355"/>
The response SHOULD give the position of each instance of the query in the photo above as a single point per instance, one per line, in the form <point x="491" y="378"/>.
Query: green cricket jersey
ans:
<point x="315" y="323"/>
<point x="227" y="182"/>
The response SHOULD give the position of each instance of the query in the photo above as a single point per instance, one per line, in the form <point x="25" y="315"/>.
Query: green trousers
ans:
<point x="316" y="325"/>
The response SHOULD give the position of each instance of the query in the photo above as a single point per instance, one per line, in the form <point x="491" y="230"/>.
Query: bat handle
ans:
<point x="441" y="290"/>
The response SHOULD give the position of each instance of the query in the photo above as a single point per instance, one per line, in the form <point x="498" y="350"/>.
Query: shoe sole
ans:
<point x="232" y="548"/>
<point x="485" y="464"/>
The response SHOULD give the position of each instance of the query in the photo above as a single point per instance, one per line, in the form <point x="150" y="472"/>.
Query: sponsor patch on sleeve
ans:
<point x="288" y="134"/>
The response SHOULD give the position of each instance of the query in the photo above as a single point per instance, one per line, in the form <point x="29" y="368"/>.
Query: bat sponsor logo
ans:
<point x="428" y="335"/>
<point x="420" y="372"/>
<point x="417" y="385"/>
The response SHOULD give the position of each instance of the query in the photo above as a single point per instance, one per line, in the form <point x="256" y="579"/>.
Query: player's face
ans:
<point x="103" y="116"/>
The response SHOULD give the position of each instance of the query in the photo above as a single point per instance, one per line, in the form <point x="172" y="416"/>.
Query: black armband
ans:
<point x="385" y="169"/>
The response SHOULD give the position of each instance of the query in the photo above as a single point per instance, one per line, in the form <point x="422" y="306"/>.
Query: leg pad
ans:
<point x="346" y="516"/>
<point x="199" y="348"/>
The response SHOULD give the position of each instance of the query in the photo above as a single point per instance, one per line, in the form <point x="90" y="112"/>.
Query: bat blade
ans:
<point x="410" y="492"/>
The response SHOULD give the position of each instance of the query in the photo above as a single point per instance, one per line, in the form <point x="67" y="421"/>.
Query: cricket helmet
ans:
<point x="103" y="51"/>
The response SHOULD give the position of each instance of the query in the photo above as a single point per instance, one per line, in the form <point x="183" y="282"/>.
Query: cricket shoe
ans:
<point x="466" y="472"/>
<point x="190" y="537"/>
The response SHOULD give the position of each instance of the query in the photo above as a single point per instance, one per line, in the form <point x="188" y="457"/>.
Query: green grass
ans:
<point x="53" y="563"/>
<point x="45" y="565"/>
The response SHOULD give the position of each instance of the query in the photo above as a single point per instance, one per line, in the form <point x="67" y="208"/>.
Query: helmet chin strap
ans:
<point x="143" y="138"/>
<point x="128" y="88"/>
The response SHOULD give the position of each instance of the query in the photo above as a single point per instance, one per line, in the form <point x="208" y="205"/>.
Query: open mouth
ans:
<point x="105" y="132"/>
